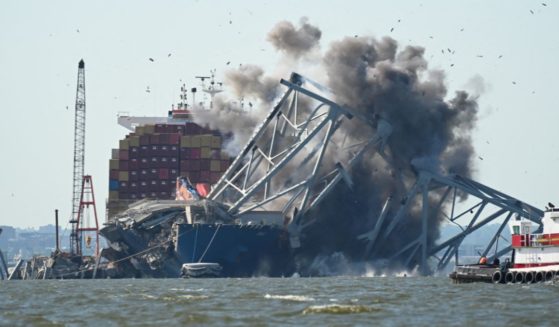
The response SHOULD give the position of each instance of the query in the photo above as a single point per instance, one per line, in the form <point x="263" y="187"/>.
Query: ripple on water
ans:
<point x="339" y="309"/>
<point x="288" y="297"/>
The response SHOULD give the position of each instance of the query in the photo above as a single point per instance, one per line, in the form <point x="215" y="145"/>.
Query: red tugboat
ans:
<point x="535" y="257"/>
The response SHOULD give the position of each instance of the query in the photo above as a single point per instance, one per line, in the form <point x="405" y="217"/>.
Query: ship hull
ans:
<point x="241" y="250"/>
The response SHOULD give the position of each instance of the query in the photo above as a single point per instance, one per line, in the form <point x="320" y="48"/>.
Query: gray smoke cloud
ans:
<point x="285" y="37"/>
<point x="377" y="78"/>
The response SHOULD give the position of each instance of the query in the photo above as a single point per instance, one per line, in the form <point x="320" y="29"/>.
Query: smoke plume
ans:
<point x="294" y="41"/>
<point x="377" y="78"/>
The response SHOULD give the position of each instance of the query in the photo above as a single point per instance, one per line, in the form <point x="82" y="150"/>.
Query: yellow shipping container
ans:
<point x="215" y="165"/>
<point x="216" y="142"/>
<point x="123" y="144"/>
<point x="134" y="141"/>
<point x="224" y="156"/>
<point x="113" y="195"/>
<point x="195" y="142"/>
<point x="140" y="130"/>
<point x="150" y="129"/>
<point x="186" y="141"/>
<point x="123" y="176"/>
<point x="206" y="153"/>
<point x="113" y="164"/>
<point x="206" y="140"/>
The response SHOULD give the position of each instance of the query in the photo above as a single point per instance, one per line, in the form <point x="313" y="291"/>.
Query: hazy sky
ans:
<point x="42" y="42"/>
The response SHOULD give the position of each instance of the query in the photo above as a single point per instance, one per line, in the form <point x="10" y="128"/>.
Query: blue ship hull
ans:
<point x="241" y="250"/>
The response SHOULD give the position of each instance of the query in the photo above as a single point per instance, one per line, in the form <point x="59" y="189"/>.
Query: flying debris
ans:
<point x="451" y="65"/>
<point x="462" y="30"/>
<point x="448" y="49"/>
<point x="500" y="56"/>
<point x="228" y="63"/>
<point x="544" y="4"/>
<point x="230" y="22"/>
<point x="168" y="55"/>
<point x="355" y="35"/>
<point x="78" y="30"/>
<point x="480" y="158"/>
<point x="66" y="107"/>
<point x="151" y="59"/>
<point x="392" y="29"/>
<point x="532" y="12"/>
<point x="513" y="82"/>
<point x="480" y="56"/>
<point x="148" y="90"/>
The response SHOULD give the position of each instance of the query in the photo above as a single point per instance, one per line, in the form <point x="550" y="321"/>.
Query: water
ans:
<point x="378" y="301"/>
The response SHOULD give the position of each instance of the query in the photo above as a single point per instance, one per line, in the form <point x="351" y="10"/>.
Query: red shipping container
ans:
<point x="123" y="154"/>
<point x="214" y="177"/>
<point x="134" y="152"/>
<point x="204" y="177"/>
<point x="123" y="165"/>
<point x="155" y="138"/>
<point x="160" y="128"/>
<point x="164" y="139"/>
<point x="113" y="174"/>
<point x="174" y="138"/>
<point x="195" y="153"/>
<point x="205" y="164"/>
<point x="163" y="173"/>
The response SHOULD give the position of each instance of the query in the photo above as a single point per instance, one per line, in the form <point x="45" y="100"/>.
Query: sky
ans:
<point x="505" y="50"/>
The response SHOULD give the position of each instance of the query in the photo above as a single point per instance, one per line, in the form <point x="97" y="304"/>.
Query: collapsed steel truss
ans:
<point x="491" y="205"/>
<point x="283" y="166"/>
<point x="287" y="166"/>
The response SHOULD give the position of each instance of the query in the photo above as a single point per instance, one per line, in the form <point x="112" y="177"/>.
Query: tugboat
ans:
<point x="535" y="256"/>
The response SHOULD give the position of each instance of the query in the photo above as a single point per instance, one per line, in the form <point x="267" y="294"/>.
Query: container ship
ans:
<point x="535" y="256"/>
<point x="158" y="218"/>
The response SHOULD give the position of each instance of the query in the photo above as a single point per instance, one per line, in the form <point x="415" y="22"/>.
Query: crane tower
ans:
<point x="81" y="184"/>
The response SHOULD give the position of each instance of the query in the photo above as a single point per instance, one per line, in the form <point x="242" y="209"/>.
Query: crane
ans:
<point x="82" y="195"/>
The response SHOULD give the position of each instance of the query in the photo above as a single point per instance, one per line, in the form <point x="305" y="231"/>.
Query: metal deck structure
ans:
<point x="298" y="154"/>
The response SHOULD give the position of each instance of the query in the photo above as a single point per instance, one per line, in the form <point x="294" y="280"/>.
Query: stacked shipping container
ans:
<point x="149" y="160"/>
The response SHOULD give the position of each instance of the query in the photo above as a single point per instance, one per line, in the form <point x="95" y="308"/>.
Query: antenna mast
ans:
<point x="79" y="151"/>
